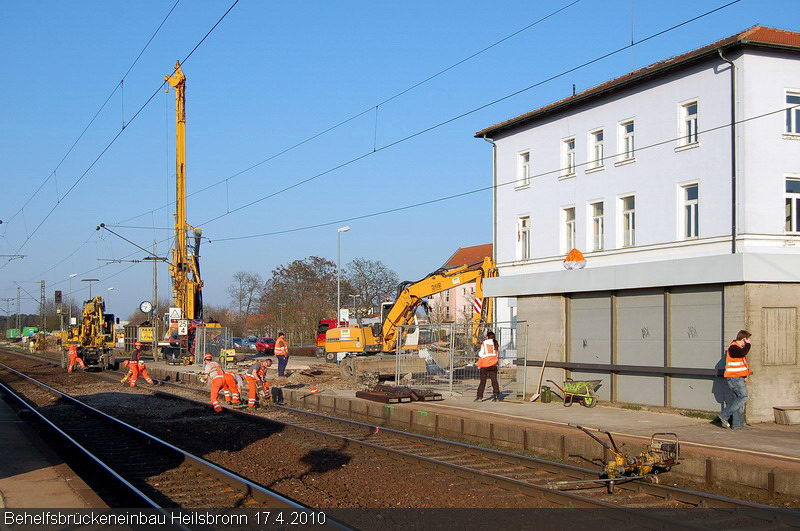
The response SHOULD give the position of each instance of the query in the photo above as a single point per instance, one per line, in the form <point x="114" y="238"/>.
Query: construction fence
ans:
<point x="211" y="340"/>
<point x="442" y="357"/>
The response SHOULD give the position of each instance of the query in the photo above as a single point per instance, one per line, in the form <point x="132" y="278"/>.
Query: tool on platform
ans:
<point x="579" y="391"/>
<point x="658" y="457"/>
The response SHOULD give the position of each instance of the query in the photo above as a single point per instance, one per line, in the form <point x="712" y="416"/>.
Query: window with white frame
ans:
<point x="626" y="140"/>
<point x="447" y="296"/>
<point x="523" y="238"/>
<point x="792" y="205"/>
<point x="568" y="156"/>
<point x="597" y="225"/>
<point x="691" y="212"/>
<point x="568" y="217"/>
<point x="524" y="169"/>
<point x="628" y="205"/>
<point x="688" y="124"/>
<point x="793" y="113"/>
<point x="596" y="149"/>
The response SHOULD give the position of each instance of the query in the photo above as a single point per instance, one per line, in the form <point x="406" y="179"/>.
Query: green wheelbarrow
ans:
<point x="579" y="390"/>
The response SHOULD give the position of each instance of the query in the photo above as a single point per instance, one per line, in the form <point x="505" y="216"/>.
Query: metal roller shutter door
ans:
<point x="640" y="341"/>
<point x="696" y="337"/>
<point x="590" y="337"/>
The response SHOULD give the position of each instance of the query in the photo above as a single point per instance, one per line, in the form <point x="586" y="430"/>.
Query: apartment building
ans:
<point x="690" y="227"/>
<point x="457" y="305"/>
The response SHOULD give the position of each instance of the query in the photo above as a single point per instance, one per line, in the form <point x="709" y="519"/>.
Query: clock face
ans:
<point x="146" y="307"/>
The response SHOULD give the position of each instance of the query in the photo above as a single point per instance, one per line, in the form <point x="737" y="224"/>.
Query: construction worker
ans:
<point x="231" y="389"/>
<point x="282" y="353"/>
<point x="136" y="366"/>
<point x="74" y="358"/>
<point x="214" y="370"/>
<point x="487" y="362"/>
<point x="736" y="372"/>
<point x="256" y="375"/>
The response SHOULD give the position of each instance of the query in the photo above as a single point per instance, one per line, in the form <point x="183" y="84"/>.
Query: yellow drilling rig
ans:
<point x="184" y="267"/>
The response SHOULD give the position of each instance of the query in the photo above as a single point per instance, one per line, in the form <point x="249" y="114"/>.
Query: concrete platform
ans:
<point x="31" y="475"/>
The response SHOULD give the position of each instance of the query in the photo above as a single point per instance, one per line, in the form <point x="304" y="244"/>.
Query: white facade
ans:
<point x="657" y="174"/>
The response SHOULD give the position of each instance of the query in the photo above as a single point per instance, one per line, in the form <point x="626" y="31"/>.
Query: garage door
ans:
<point x="640" y="341"/>
<point x="696" y="337"/>
<point x="590" y="328"/>
<point x="590" y="337"/>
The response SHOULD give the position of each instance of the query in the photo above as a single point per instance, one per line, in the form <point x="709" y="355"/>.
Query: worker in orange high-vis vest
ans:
<point x="256" y="377"/>
<point x="137" y="367"/>
<point x="282" y="353"/>
<point x="487" y="362"/>
<point x="736" y="372"/>
<point x="231" y="389"/>
<point x="74" y="359"/>
<point x="214" y="371"/>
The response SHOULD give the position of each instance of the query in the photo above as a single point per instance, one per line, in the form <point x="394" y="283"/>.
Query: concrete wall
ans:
<point x="546" y="321"/>
<point x="773" y="384"/>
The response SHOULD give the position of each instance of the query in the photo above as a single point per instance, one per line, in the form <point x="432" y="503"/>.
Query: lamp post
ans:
<point x="109" y="290"/>
<point x="90" y="280"/>
<point x="339" y="232"/>
<point x="72" y="275"/>
<point x="355" y="311"/>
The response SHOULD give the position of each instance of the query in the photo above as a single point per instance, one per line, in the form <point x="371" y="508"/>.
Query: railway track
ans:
<point x="148" y="471"/>
<point x="519" y="474"/>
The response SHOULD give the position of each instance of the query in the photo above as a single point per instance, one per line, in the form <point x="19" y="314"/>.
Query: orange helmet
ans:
<point x="137" y="344"/>
<point x="208" y="357"/>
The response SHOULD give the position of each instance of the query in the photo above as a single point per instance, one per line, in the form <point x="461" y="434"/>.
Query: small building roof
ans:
<point x="757" y="36"/>
<point x="469" y="255"/>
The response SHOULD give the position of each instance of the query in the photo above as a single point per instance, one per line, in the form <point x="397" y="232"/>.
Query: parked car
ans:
<point x="266" y="345"/>
<point x="238" y="342"/>
<point x="250" y="342"/>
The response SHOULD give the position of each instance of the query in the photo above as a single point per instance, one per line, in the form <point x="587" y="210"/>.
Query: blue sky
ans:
<point x="271" y="75"/>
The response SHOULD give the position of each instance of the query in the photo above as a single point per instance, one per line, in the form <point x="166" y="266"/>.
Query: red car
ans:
<point x="266" y="345"/>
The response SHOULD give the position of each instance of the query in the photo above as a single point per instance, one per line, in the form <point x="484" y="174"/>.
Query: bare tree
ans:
<point x="244" y="290"/>
<point x="371" y="280"/>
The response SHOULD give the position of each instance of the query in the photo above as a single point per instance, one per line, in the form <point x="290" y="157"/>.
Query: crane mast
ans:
<point x="184" y="266"/>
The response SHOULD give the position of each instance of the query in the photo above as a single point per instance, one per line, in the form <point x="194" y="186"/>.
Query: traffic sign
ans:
<point x="175" y="313"/>
<point x="183" y="327"/>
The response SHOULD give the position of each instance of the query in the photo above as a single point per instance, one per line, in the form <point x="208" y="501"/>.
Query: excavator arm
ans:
<point x="411" y="296"/>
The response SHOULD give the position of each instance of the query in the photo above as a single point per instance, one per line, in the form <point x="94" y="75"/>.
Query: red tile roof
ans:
<point x="469" y="255"/>
<point x="755" y="36"/>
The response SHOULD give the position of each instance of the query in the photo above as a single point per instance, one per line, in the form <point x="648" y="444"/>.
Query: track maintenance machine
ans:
<point x="184" y="266"/>
<point x="357" y="342"/>
<point x="95" y="336"/>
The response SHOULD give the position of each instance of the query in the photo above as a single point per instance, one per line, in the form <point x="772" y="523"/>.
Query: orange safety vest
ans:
<point x="220" y="372"/>
<point x="735" y="367"/>
<point x="281" y="347"/>
<point x="491" y="359"/>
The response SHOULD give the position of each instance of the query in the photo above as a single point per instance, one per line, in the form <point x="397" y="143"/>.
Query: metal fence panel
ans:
<point x="442" y="357"/>
<point x="211" y="340"/>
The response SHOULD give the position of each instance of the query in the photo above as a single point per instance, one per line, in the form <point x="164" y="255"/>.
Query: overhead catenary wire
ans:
<point x="119" y="133"/>
<point x="117" y="87"/>
<point x="372" y="108"/>
<point x="557" y="171"/>
<point x="440" y="124"/>
<point x="466" y="113"/>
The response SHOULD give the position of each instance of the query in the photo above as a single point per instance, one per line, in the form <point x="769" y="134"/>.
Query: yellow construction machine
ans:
<point x="382" y="338"/>
<point x="184" y="266"/>
<point x="95" y="335"/>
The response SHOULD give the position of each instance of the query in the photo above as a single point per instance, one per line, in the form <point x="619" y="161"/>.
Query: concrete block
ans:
<point x="424" y="420"/>
<point x="476" y="428"/>
<point x="400" y="415"/>
<point x="450" y="425"/>
<point x="325" y="402"/>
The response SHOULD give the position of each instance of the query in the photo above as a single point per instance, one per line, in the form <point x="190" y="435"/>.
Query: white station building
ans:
<point x="690" y="227"/>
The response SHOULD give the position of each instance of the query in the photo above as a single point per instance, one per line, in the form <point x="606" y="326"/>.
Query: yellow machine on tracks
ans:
<point x="95" y="335"/>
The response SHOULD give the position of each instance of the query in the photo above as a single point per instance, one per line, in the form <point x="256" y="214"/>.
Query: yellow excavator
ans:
<point x="358" y="341"/>
<point x="95" y="336"/>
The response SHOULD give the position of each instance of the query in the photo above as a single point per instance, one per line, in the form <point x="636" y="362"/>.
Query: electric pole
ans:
<point x="41" y="307"/>
<point x="19" y="321"/>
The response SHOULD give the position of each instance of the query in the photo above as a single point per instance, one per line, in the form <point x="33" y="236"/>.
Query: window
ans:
<point x="688" y="128"/>
<point x="569" y="229"/>
<point x="523" y="238"/>
<point x="792" y="205"/>
<point x="524" y="169"/>
<point x="793" y="113"/>
<point x="447" y="296"/>
<point x="596" y="149"/>
<point x="628" y="221"/>
<point x="568" y="158"/>
<point x="691" y="212"/>
<point x="597" y="226"/>
<point x="626" y="130"/>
